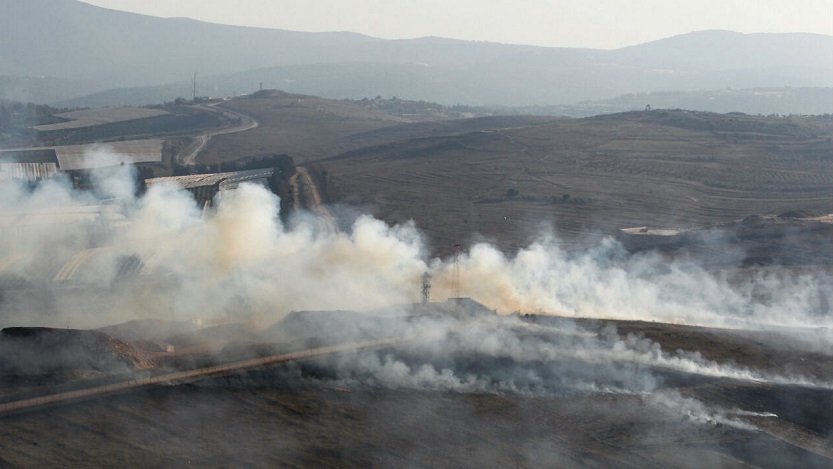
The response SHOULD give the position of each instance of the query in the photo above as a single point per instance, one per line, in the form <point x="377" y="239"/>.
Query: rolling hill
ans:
<point x="585" y="177"/>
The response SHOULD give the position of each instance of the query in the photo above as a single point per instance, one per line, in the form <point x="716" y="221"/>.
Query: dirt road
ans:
<point x="191" y="375"/>
<point x="305" y="196"/>
<point x="188" y="156"/>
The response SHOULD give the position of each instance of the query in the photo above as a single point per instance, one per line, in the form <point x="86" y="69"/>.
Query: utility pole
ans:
<point x="426" y="287"/>
<point x="194" y="91"/>
<point x="455" y="273"/>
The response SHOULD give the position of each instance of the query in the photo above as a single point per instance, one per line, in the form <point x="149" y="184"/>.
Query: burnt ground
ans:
<point x="321" y="427"/>
<point x="243" y="424"/>
<point x="311" y="414"/>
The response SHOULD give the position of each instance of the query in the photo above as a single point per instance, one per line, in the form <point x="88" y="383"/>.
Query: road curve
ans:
<point x="188" y="156"/>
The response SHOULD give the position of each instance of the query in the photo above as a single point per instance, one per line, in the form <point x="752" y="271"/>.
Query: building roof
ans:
<point x="225" y="181"/>
<point x="80" y="157"/>
<point x="44" y="155"/>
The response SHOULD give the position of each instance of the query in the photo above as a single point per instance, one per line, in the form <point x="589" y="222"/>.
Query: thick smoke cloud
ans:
<point x="196" y="264"/>
<point x="193" y="264"/>
<point x="64" y="252"/>
<point x="605" y="282"/>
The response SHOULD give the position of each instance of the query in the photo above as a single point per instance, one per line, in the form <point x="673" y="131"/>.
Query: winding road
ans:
<point x="188" y="156"/>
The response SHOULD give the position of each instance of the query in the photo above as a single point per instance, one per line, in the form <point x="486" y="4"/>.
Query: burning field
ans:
<point x="228" y="337"/>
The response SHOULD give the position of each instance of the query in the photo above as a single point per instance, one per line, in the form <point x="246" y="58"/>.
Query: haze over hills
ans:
<point x="58" y="51"/>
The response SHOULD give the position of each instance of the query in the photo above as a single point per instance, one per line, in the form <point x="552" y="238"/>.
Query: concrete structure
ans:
<point x="205" y="187"/>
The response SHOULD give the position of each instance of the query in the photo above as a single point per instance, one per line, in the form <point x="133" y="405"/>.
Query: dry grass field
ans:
<point x="309" y="128"/>
<point x="591" y="176"/>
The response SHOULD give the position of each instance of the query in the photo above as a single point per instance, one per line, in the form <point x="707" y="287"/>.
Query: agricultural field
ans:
<point x="99" y="116"/>
<point x="173" y="122"/>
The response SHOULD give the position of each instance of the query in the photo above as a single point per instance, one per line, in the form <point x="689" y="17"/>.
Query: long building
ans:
<point x="28" y="165"/>
<point x="204" y="187"/>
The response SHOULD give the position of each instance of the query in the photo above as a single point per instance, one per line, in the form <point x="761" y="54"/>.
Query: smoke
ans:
<point x="671" y="402"/>
<point x="92" y="258"/>
<point x="605" y="282"/>
<point x="507" y="355"/>
<point x="193" y="264"/>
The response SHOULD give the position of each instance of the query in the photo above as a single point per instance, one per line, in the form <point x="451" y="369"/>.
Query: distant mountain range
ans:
<point x="72" y="53"/>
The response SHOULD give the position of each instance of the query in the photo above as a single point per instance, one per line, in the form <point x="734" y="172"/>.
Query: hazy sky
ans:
<point x="602" y="24"/>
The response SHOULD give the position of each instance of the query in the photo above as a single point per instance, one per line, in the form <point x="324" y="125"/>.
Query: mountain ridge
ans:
<point x="92" y="49"/>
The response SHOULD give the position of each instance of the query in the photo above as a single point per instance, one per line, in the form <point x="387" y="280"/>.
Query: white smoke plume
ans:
<point x="193" y="265"/>
<point x="605" y="282"/>
<point x="506" y="354"/>
<point x="62" y="254"/>
<point x="671" y="402"/>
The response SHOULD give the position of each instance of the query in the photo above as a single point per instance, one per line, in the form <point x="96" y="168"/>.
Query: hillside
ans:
<point x="310" y="128"/>
<point x="85" y="50"/>
<point x="47" y="353"/>
<point x="591" y="176"/>
<point x="763" y="101"/>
